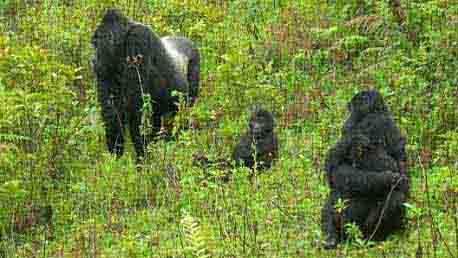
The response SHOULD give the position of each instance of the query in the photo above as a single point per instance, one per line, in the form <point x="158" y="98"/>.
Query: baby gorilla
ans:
<point x="130" y="62"/>
<point x="259" y="145"/>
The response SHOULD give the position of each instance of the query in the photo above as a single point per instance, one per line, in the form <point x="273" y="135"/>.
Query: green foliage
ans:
<point x="301" y="59"/>
<point x="196" y="245"/>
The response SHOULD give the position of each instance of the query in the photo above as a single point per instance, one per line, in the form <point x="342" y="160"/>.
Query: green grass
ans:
<point x="301" y="59"/>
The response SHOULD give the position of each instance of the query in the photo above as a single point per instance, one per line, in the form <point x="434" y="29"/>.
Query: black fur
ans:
<point x="367" y="169"/>
<point x="131" y="61"/>
<point x="370" y="116"/>
<point x="259" y="145"/>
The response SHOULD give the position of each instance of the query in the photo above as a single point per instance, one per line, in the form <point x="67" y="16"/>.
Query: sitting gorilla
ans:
<point x="366" y="168"/>
<point x="370" y="116"/>
<point x="258" y="146"/>
<point x="130" y="62"/>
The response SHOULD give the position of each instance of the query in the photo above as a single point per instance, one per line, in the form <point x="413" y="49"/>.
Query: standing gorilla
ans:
<point x="132" y="61"/>
<point x="367" y="169"/>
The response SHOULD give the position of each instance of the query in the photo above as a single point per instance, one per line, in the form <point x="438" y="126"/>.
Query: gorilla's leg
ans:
<point x="113" y="118"/>
<point x="114" y="134"/>
<point x="193" y="78"/>
<point x="330" y="223"/>
<point x="387" y="216"/>
<point x="355" y="212"/>
<point x="135" y="123"/>
<point x="139" y="140"/>
<point x="333" y="223"/>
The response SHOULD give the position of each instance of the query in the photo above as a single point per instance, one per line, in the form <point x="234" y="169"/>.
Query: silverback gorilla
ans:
<point x="132" y="61"/>
<point x="367" y="169"/>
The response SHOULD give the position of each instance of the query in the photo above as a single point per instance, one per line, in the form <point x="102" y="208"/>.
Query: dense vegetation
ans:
<point x="63" y="195"/>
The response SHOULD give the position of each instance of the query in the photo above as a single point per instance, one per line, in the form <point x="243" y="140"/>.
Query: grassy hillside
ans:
<point x="63" y="195"/>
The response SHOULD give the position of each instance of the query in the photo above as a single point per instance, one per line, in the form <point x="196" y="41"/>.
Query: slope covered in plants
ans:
<point x="63" y="195"/>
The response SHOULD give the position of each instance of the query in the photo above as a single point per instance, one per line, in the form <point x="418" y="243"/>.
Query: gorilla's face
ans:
<point x="104" y="43"/>
<point x="366" y="102"/>
<point x="362" y="104"/>
<point x="261" y="124"/>
<point x="108" y="37"/>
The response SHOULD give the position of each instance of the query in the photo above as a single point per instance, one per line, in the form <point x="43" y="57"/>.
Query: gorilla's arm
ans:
<point x="351" y="122"/>
<point x="396" y="143"/>
<point x="243" y="152"/>
<point x="139" y="68"/>
<point x="336" y="155"/>
<point x="355" y="182"/>
<point x="111" y="115"/>
<point x="328" y="222"/>
<point x="382" y="127"/>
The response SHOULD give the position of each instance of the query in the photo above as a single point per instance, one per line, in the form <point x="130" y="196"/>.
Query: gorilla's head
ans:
<point x="261" y="123"/>
<point x="362" y="104"/>
<point x="365" y="102"/>
<point x="108" y="36"/>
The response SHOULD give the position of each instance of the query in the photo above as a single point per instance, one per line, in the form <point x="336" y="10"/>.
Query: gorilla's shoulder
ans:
<point x="141" y="31"/>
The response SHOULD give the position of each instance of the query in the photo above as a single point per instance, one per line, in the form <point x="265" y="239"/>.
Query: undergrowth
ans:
<point x="63" y="195"/>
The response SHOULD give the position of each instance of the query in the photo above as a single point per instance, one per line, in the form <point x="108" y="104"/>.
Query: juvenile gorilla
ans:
<point x="132" y="61"/>
<point x="259" y="145"/>
<point x="366" y="168"/>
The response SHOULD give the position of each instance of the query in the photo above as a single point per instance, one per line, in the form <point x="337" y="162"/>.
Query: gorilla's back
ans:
<point x="177" y="55"/>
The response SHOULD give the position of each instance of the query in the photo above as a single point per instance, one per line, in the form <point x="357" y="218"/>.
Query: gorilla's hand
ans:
<point x="397" y="180"/>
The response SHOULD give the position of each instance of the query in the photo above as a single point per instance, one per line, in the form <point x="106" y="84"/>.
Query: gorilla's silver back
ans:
<point x="180" y="59"/>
